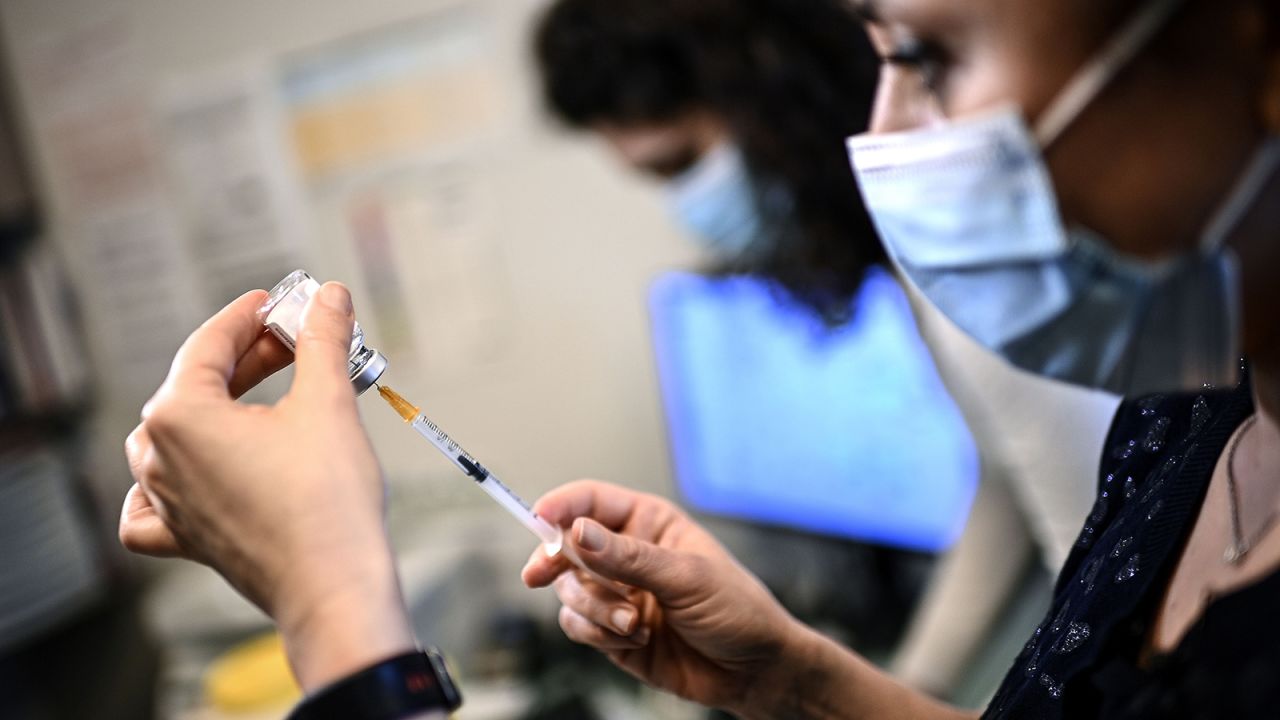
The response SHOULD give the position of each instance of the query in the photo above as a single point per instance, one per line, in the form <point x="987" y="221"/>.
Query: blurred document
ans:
<point x="87" y="95"/>
<point x="231" y="174"/>
<point x="388" y="128"/>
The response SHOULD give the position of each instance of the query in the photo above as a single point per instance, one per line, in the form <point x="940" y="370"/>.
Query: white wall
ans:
<point x="572" y="391"/>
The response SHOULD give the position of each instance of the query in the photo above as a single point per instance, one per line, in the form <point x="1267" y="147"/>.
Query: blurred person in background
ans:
<point x="740" y="109"/>
<point x="683" y="91"/>
<point x="1164" y="607"/>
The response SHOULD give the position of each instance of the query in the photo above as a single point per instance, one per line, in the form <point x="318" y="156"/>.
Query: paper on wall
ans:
<point x="231" y="179"/>
<point x="388" y="128"/>
<point x="87" y="95"/>
<point x="437" y="278"/>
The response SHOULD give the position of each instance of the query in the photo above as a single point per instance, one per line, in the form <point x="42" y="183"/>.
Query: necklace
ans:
<point x="1240" y="545"/>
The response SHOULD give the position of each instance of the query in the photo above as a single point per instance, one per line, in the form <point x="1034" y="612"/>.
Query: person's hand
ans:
<point x="697" y="624"/>
<point x="285" y="501"/>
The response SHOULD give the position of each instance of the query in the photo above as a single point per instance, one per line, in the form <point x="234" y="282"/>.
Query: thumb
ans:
<point x="669" y="575"/>
<point x="324" y="344"/>
<point x="142" y="530"/>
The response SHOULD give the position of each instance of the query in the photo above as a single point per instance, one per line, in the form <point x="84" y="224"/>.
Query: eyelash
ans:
<point x="927" y="59"/>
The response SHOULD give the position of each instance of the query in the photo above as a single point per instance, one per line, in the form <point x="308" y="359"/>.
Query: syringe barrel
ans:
<point x="452" y="450"/>
<point x="548" y="534"/>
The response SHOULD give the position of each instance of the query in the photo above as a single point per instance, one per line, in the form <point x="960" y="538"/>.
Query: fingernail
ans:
<point x="335" y="296"/>
<point x="622" y="619"/>
<point x="590" y="536"/>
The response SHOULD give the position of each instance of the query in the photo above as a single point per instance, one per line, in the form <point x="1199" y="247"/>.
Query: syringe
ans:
<point x="552" y="537"/>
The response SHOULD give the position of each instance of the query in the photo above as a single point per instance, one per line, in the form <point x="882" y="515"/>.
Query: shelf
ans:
<point x="17" y="233"/>
<point x="22" y="429"/>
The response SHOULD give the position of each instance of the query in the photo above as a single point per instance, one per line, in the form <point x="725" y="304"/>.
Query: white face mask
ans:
<point x="968" y="211"/>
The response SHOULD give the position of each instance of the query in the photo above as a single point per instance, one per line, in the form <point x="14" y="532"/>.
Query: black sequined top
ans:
<point x="1082" y="660"/>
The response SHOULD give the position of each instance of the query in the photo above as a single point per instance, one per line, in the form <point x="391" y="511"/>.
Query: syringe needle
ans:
<point x="397" y="402"/>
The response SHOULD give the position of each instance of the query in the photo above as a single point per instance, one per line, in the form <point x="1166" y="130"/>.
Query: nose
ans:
<point x="903" y="102"/>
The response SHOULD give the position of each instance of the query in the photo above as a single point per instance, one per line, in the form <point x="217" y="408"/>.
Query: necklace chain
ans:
<point x="1240" y="545"/>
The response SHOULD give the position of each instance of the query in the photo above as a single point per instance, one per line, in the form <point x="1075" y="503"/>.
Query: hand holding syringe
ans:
<point x="552" y="537"/>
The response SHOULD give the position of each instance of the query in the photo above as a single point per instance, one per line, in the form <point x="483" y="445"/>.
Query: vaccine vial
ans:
<point x="282" y="315"/>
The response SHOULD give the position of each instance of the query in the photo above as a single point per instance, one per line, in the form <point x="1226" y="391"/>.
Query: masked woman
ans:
<point x="739" y="111"/>
<point x="1092" y="190"/>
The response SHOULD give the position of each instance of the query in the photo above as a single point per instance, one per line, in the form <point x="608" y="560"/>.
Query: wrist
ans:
<point x="797" y="661"/>
<point x="805" y="683"/>
<point x="333" y="629"/>
<point x="816" y="678"/>
<point x="410" y="685"/>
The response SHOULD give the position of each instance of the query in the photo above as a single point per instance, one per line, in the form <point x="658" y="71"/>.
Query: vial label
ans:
<point x="282" y="315"/>
<point x="285" y="319"/>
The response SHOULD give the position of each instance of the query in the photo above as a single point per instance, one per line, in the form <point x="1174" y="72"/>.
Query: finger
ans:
<point x="324" y="344"/>
<point x="671" y="576"/>
<point x="208" y="358"/>
<point x="264" y="358"/>
<point x="610" y="505"/>
<point x="142" y="530"/>
<point x="599" y="605"/>
<point x="543" y="569"/>
<point x="137" y="451"/>
<point x="585" y="632"/>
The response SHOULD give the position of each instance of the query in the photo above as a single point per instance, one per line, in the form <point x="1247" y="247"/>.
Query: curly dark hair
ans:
<point x="791" y="78"/>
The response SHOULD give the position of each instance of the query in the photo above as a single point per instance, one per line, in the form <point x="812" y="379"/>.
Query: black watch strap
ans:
<point x="395" y="688"/>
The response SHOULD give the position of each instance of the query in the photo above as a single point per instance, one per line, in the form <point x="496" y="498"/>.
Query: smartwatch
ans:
<point x="399" y="687"/>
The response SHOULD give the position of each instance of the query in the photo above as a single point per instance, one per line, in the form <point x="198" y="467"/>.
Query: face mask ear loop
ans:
<point x="1243" y="196"/>
<point x="1102" y="69"/>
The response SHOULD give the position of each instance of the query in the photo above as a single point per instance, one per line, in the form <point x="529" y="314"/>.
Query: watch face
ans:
<point x="403" y="686"/>
<point x="452" y="697"/>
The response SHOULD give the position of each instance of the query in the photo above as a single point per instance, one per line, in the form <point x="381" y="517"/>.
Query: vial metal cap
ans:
<point x="369" y="373"/>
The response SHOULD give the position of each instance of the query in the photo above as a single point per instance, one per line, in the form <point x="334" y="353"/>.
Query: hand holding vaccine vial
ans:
<point x="282" y="315"/>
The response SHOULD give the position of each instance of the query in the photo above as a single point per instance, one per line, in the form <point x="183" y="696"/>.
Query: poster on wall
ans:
<point x="87" y="96"/>
<point x="388" y="128"/>
<point x="231" y="177"/>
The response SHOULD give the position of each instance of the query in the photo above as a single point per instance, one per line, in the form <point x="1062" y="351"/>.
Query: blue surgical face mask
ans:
<point x="968" y="211"/>
<point x="716" y="201"/>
